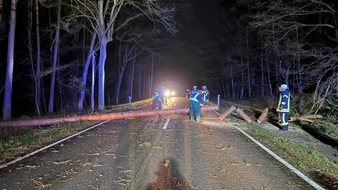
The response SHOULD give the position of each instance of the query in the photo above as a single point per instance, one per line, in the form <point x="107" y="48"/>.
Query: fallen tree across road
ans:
<point x="98" y="117"/>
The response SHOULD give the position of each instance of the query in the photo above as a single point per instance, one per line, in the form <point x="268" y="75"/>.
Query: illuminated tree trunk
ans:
<point x="55" y="60"/>
<point x="85" y="73"/>
<point x="7" y="107"/>
<point x="102" y="61"/>
<point x="92" y="101"/>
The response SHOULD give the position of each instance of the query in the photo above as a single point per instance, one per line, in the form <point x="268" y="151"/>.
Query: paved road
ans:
<point x="145" y="153"/>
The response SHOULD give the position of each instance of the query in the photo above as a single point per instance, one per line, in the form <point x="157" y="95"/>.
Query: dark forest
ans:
<point x="64" y="56"/>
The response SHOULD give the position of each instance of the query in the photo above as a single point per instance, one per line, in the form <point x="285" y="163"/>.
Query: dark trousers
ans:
<point x="284" y="118"/>
<point x="158" y="102"/>
<point x="195" y="110"/>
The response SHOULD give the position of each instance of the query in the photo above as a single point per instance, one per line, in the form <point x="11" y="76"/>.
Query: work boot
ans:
<point x="285" y="128"/>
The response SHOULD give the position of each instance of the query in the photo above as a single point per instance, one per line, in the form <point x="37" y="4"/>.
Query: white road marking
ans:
<point x="300" y="174"/>
<point x="166" y="123"/>
<point x="51" y="145"/>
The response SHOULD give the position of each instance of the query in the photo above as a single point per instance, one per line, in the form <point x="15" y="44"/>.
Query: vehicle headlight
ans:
<point x="167" y="93"/>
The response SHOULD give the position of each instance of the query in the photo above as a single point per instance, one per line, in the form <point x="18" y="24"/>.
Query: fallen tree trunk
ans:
<point x="98" y="117"/>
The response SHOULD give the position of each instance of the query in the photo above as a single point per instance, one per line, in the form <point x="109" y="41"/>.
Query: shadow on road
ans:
<point x="169" y="177"/>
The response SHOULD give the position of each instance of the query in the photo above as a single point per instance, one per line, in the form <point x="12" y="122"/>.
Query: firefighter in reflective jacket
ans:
<point x="284" y="106"/>
<point x="205" y="93"/>
<point x="158" y="98"/>
<point x="196" y="99"/>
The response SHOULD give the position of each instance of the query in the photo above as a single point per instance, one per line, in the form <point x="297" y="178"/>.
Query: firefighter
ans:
<point x="158" y="98"/>
<point x="196" y="99"/>
<point x="205" y="93"/>
<point x="284" y="106"/>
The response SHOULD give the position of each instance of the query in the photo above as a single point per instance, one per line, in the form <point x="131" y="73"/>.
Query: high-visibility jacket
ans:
<point x="157" y="96"/>
<point x="205" y="95"/>
<point x="196" y="97"/>
<point x="284" y="101"/>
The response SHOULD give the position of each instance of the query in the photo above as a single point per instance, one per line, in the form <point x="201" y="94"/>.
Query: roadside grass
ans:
<point x="306" y="159"/>
<point x="25" y="140"/>
<point x="302" y="157"/>
<point x="327" y="126"/>
<point x="16" y="141"/>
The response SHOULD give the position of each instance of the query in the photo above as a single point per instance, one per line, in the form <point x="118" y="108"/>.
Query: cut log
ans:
<point x="243" y="115"/>
<point x="98" y="117"/>
<point x="263" y="115"/>
<point x="226" y="113"/>
<point x="312" y="116"/>
<point x="307" y="118"/>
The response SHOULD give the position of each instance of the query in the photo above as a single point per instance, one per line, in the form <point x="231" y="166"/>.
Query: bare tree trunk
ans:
<point x="262" y="77"/>
<point x="38" y="62"/>
<point x="119" y="81"/>
<point x="248" y="63"/>
<point x="140" y="84"/>
<point x="298" y="69"/>
<point x="149" y="78"/>
<point x="55" y="60"/>
<point x="92" y="101"/>
<point x="128" y="56"/>
<point x="85" y="73"/>
<point x="232" y="84"/>
<point x="269" y="78"/>
<point x="29" y="37"/>
<point x="103" y="55"/>
<point x="151" y="74"/>
<point x="102" y="61"/>
<point x="7" y="107"/>
<point x="242" y="80"/>
<point x="132" y="80"/>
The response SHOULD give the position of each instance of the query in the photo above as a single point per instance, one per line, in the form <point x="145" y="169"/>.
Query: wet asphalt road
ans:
<point x="145" y="153"/>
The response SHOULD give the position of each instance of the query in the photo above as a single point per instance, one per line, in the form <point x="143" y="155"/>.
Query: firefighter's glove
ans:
<point x="280" y="107"/>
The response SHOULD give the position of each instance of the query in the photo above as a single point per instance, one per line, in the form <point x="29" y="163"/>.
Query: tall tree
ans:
<point x="38" y="61"/>
<point x="102" y="16"/>
<point x="90" y="56"/>
<point x="129" y="55"/>
<point x="7" y="108"/>
<point x="55" y="59"/>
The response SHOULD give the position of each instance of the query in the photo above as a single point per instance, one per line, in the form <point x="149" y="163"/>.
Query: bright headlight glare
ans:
<point x="167" y="93"/>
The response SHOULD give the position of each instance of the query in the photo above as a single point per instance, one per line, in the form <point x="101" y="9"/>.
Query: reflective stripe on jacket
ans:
<point x="155" y="95"/>
<point x="194" y="96"/>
